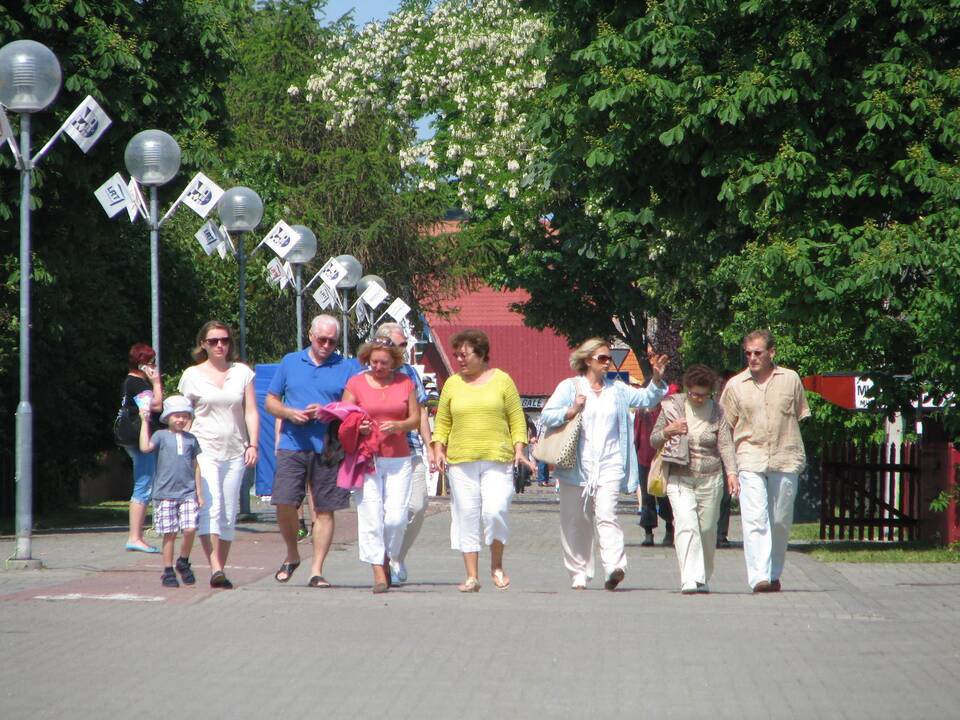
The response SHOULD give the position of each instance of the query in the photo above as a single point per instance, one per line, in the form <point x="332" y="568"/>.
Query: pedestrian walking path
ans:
<point x="841" y="641"/>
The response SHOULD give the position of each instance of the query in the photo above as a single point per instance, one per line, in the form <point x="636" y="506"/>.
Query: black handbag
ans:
<point x="126" y="427"/>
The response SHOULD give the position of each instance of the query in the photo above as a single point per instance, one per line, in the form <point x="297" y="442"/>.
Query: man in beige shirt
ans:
<point x="763" y="405"/>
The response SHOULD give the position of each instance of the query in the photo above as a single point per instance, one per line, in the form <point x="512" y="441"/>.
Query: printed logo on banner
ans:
<point x="135" y="201"/>
<point x="209" y="237"/>
<point x="332" y="272"/>
<point x="374" y="295"/>
<point x="201" y="195"/>
<point x="274" y="272"/>
<point x="326" y="297"/>
<point x="87" y="124"/>
<point x="113" y="195"/>
<point x="281" y="239"/>
<point x="398" y="309"/>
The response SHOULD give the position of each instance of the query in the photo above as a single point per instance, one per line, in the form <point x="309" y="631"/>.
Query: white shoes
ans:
<point x="688" y="588"/>
<point x="398" y="572"/>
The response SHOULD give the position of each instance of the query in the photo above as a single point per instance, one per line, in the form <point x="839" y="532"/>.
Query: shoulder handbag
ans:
<point x="657" y="476"/>
<point x="558" y="445"/>
<point x="126" y="426"/>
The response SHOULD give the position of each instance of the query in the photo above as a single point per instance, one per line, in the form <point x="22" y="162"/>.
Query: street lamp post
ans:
<point x="29" y="82"/>
<point x="241" y="210"/>
<point x="347" y="283"/>
<point x="152" y="157"/>
<point x="303" y="252"/>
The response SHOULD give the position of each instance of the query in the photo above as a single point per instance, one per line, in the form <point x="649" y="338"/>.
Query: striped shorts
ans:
<point x="171" y="516"/>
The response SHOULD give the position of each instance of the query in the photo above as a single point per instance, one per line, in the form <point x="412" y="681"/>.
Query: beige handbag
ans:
<point x="657" y="476"/>
<point x="558" y="446"/>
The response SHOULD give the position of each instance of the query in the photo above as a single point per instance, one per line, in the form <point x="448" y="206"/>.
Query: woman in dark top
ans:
<point x="142" y="376"/>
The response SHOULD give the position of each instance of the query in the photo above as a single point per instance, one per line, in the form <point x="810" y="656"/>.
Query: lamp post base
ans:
<point x="29" y="564"/>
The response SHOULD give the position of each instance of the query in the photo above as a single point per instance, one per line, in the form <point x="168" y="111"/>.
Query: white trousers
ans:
<point x="582" y="529"/>
<point x="416" y="507"/>
<point x="696" y="507"/>
<point x="482" y="493"/>
<point x="220" y="482"/>
<point x="766" y="513"/>
<point x="382" y="510"/>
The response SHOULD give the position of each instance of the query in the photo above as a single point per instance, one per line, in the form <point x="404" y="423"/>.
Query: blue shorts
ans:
<point x="144" y="465"/>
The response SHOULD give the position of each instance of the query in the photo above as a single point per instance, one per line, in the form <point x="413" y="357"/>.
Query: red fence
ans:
<point x="870" y="492"/>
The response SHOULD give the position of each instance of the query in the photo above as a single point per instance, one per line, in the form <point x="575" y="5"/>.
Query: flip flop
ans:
<point x="149" y="549"/>
<point x="287" y="569"/>
<point x="317" y="581"/>
<point x="501" y="581"/>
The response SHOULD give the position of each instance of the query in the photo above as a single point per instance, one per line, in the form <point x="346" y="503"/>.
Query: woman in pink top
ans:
<point x="389" y="398"/>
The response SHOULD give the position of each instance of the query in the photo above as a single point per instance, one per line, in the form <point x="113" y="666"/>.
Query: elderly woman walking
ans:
<point x="480" y="434"/>
<point x="605" y="459"/>
<point x="697" y="453"/>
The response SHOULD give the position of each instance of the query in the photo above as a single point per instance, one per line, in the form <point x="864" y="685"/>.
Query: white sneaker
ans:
<point x="689" y="588"/>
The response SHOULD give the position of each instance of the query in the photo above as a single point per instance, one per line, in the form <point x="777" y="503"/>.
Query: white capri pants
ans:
<point x="482" y="493"/>
<point x="766" y="514"/>
<point x="382" y="509"/>
<point x="220" y="482"/>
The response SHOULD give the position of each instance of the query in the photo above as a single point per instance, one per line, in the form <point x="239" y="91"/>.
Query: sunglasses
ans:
<point x="698" y="396"/>
<point x="383" y="342"/>
<point x="217" y="341"/>
<point x="325" y="341"/>
<point x="603" y="358"/>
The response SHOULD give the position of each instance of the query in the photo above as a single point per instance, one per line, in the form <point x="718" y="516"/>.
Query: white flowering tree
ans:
<point x="472" y="67"/>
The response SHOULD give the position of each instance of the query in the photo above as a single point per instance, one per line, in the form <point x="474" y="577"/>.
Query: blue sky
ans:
<point x="364" y="10"/>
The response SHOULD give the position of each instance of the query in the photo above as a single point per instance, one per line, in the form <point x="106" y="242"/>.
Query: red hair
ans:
<point x="140" y="354"/>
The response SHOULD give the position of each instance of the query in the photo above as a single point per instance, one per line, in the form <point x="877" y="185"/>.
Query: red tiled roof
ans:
<point x="536" y="359"/>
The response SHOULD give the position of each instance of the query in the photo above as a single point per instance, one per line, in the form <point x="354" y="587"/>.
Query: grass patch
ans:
<point x="806" y="537"/>
<point x="105" y="514"/>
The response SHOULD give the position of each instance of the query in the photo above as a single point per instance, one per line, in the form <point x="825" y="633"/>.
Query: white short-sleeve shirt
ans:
<point x="218" y="411"/>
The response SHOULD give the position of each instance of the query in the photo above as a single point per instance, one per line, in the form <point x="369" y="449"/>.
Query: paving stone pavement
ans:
<point x="841" y="641"/>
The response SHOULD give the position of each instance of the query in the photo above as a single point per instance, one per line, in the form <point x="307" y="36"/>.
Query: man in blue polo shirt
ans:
<point x="308" y="455"/>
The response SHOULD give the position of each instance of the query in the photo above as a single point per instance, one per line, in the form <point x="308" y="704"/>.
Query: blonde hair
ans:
<point x="380" y="343"/>
<point x="586" y="349"/>
<point x="387" y="329"/>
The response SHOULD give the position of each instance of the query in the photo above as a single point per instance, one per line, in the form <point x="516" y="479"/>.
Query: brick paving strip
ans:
<point x="842" y="641"/>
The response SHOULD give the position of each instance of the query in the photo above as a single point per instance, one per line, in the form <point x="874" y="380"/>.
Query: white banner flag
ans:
<point x="209" y="237"/>
<point x="281" y="239"/>
<point x="87" y="123"/>
<point x="326" y="297"/>
<point x="226" y="246"/>
<point x="398" y="310"/>
<point x="274" y="272"/>
<point x="374" y="295"/>
<point x="201" y="195"/>
<point x="332" y="272"/>
<point x="113" y="195"/>
<point x="7" y="136"/>
<point x="135" y="202"/>
<point x="287" y="278"/>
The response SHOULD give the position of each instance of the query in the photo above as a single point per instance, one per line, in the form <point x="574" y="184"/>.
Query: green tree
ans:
<point x="786" y="164"/>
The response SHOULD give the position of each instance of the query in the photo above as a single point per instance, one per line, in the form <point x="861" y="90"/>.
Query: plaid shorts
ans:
<point x="171" y="516"/>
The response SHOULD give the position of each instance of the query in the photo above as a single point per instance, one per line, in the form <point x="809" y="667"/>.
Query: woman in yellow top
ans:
<point x="479" y="436"/>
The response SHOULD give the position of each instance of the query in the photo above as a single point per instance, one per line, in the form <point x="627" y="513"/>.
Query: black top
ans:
<point x="133" y="386"/>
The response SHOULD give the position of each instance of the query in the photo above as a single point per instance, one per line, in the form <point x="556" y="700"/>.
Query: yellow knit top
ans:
<point x="480" y="422"/>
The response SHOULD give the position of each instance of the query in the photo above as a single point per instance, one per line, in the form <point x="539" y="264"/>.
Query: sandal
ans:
<point x="500" y="581"/>
<point x="317" y="581"/>
<point x="379" y="588"/>
<point x="287" y="569"/>
<point x="471" y="585"/>
<point x="219" y="580"/>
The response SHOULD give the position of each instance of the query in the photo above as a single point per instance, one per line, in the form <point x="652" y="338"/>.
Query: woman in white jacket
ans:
<point x="605" y="459"/>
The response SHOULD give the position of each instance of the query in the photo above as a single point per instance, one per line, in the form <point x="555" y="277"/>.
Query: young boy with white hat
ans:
<point x="176" y="484"/>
